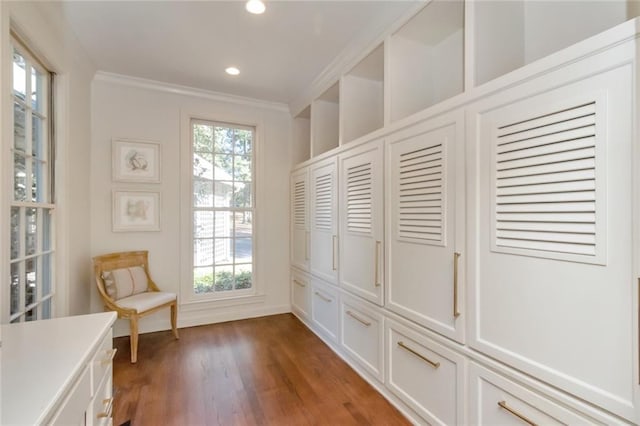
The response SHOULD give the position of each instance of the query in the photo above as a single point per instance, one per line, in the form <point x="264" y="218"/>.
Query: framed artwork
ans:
<point x="135" y="161"/>
<point x="136" y="211"/>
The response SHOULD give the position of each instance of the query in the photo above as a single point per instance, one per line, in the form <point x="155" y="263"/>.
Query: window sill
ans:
<point x="199" y="305"/>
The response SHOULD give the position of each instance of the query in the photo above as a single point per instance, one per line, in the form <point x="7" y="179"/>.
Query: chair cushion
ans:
<point x="144" y="301"/>
<point x="125" y="282"/>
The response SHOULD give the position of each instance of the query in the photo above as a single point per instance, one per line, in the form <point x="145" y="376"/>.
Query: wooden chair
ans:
<point x="139" y="304"/>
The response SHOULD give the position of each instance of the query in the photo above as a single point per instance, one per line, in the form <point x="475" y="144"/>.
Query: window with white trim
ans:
<point x="223" y="208"/>
<point x="32" y="249"/>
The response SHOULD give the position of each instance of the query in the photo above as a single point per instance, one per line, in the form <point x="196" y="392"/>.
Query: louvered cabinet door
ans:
<point x="300" y="219"/>
<point x="425" y="224"/>
<point x="551" y="201"/>
<point x="323" y="220"/>
<point x="361" y="221"/>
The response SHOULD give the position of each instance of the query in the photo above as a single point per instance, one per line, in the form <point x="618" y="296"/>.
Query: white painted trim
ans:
<point x="176" y="89"/>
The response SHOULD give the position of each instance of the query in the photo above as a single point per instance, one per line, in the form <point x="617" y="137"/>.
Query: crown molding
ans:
<point x="176" y="89"/>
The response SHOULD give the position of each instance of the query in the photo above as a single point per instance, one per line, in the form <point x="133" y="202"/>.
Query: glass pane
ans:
<point x="202" y="280"/>
<point x="223" y="139"/>
<point x="203" y="252"/>
<point x="243" y="250"/>
<point x="47" y="236"/>
<point x="46" y="309"/>
<point x="242" y="167"/>
<point x="47" y="275"/>
<point x="38" y="181"/>
<point x="19" y="128"/>
<point x="243" y="227"/>
<point x="224" y="193"/>
<point x="19" y="178"/>
<point x="31" y="237"/>
<point x="243" y="276"/>
<point x="15" y="287"/>
<point x="223" y="251"/>
<point x="38" y="137"/>
<point x="224" y="224"/>
<point x="243" y="141"/>
<point x="38" y="91"/>
<point x="19" y="76"/>
<point x="30" y="282"/>
<point x="242" y="196"/>
<point x="224" y="278"/>
<point x="203" y="165"/>
<point x="224" y="167"/>
<point x="202" y="137"/>
<point x="202" y="192"/>
<point x="15" y="232"/>
<point x="31" y="315"/>
<point x="203" y="224"/>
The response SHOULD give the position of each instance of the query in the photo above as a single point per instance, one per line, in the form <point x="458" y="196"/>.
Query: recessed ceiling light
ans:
<point x="255" y="6"/>
<point x="232" y="71"/>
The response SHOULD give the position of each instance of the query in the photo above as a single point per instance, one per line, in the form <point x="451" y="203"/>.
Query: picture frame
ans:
<point x="135" y="161"/>
<point x="136" y="211"/>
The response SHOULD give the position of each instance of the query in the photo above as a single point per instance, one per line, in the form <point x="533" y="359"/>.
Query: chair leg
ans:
<point x="174" y="320"/>
<point x="134" y="339"/>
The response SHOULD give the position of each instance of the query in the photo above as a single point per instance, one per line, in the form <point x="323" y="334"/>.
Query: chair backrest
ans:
<point x="126" y="259"/>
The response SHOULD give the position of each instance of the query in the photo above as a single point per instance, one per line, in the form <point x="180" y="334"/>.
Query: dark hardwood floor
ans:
<point x="264" y="371"/>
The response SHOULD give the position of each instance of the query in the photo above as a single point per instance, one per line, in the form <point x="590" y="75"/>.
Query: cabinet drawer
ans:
<point x="363" y="336"/>
<point x="72" y="410"/>
<point x="495" y="400"/>
<point x="100" y="410"/>
<point x="425" y="375"/>
<point x="324" y="308"/>
<point x="300" y="293"/>
<point x="101" y="361"/>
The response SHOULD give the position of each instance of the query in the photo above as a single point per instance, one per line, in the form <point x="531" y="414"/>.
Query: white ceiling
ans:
<point x="279" y="53"/>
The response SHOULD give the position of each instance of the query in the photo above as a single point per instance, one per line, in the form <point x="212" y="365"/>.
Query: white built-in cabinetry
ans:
<point x="324" y="220"/>
<point x="300" y="219"/>
<point x="488" y="222"/>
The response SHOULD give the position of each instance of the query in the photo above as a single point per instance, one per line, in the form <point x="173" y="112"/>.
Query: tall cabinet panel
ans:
<point x="324" y="220"/>
<point x="553" y="281"/>
<point x="361" y="221"/>
<point x="300" y="219"/>
<point x="425" y="224"/>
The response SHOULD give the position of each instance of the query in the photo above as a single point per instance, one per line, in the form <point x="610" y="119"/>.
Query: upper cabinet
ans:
<point x="300" y="218"/>
<point x="426" y="59"/>
<point x="325" y="119"/>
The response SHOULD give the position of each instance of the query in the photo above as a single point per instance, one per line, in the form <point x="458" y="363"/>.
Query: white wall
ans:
<point x="42" y="26"/>
<point x="137" y="109"/>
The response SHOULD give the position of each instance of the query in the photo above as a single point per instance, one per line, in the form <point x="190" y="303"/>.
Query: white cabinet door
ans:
<point x="425" y="224"/>
<point x="300" y="294"/>
<point x="300" y="219"/>
<point x="325" y="309"/>
<point x="551" y="189"/>
<point x="324" y="220"/>
<point x="361" y="221"/>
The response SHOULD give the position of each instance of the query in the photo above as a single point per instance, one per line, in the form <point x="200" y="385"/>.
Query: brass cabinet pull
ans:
<point x="109" y="408"/>
<point x="299" y="283"/>
<point x="434" y="364"/>
<point x="360" y="320"/>
<point x="333" y="247"/>
<point x="456" y="257"/>
<point x="503" y="404"/>
<point x="326" y="299"/>
<point x="377" y="265"/>
<point x="110" y="356"/>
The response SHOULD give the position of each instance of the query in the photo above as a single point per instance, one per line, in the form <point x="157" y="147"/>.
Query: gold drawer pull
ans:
<point x="434" y="364"/>
<point x="334" y="240"/>
<point x="503" y="404"/>
<point x="299" y="283"/>
<point x="456" y="257"/>
<point x="376" y="271"/>
<point x="360" y="320"/>
<point x="326" y="299"/>
<point x="110" y="356"/>
<point x="109" y="408"/>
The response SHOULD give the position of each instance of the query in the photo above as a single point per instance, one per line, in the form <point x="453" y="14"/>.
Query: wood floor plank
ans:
<point x="263" y="371"/>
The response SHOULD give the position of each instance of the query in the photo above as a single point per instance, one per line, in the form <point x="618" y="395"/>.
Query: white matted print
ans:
<point x="135" y="161"/>
<point x="136" y="211"/>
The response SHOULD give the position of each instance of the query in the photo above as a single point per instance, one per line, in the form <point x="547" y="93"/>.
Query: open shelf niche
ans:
<point x="325" y="119"/>
<point x="426" y="58"/>
<point x="511" y="34"/>
<point x="362" y="99"/>
<point x="301" y="136"/>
